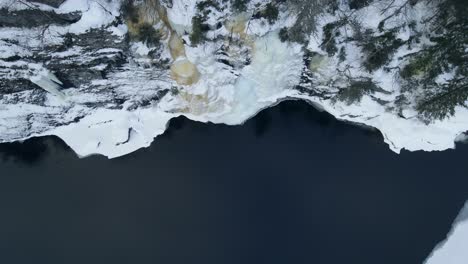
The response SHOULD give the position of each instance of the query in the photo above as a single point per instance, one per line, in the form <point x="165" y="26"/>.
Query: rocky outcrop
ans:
<point x="53" y="3"/>
<point x="78" y="60"/>
<point x="80" y="64"/>
<point x="34" y="18"/>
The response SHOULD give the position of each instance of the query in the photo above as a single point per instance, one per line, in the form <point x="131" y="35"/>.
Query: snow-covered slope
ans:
<point x="103" y="95"/>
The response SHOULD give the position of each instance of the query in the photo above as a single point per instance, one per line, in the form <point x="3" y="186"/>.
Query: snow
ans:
<point x="462" y="138"/>
<point x="140" y="48"/>
<point x="454" y="249"/>
<point x="119" y="30"/>
<point x="19" y="5"/>
<point x="180" y="15"/>
<point x="221" y="95"/>
<point x="95" y="13"/>
<point x="445" y="77"/>
<point x="106" y="132"/>
<point x="261" y="27"/>
<point x="47" y="81"/>
<point x="76" y="51"/>
<point x="400" y="133"/>
<point x="8" y="50"/>
<point x="275" y="67"/>
<point x="74" y="5"/>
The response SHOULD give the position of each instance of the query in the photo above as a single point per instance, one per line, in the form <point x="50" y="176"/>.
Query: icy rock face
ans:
<point x="53" y="3"/>
<point x="31" y="18"/>
<point x="454" y="249"/>
<point x="107" y="77"/>
<point x="184" y="72"/>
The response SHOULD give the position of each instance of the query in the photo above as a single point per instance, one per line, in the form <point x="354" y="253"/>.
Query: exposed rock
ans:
<point x="167" y="3"/>
<point x="9" y="86"/>
<point x="49" y="82"/>
<point x="33" y="18"/>
<point x="53" y="3"/>
<point x="96" y="39"/>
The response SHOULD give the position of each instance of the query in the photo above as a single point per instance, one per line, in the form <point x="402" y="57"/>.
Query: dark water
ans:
<point x="290" y="186"/>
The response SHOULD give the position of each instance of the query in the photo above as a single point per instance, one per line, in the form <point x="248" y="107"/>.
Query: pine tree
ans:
<point x="448" y="54"/>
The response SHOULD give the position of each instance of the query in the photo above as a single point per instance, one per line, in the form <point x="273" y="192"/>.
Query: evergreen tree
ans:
<point x="447" y="55"/>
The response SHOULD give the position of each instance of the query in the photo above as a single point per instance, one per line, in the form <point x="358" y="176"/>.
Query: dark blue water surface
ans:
<point x="292" y="185"/>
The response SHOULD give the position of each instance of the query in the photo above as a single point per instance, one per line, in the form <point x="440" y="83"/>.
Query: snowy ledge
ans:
<point x="114" y="133"/>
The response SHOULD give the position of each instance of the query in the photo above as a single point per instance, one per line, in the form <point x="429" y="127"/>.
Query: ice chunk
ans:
<point x="184" y="72"/>
<point x="49" y="82"/>
<point x="454" y="250"/>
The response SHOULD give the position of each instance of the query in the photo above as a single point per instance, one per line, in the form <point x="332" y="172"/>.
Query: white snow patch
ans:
<point x="445" y="77"/>
<point x="454" y="249"/>
<point x="47" y="81"/>
<point x="95" y="14"/>
<point x="119" y="30"/>
<point x="275" y="67"/>
<point x="73" y="5"/>
<point x="463" y="138"/>
<point x="180" y="15"/>
<point x="400" y="133"/>
<point x="140" y="48"/>
<point x="114" y="133"/>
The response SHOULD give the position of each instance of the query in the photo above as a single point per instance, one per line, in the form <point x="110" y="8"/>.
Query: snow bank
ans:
<point x="398" y="132"/>
<point x="94" y="13"/>
<point x="48" y="81"/>
<point x="113" y="133"/>
<point x="180" y="15"/>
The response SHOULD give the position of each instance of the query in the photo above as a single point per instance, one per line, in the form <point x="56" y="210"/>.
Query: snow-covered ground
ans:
<point x="222" y="96"/>
<point x="219" y="97"/>
<point x="225" y="96"/>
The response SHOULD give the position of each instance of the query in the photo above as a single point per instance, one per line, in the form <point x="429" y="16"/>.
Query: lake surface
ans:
<point x="292" y="185"/>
